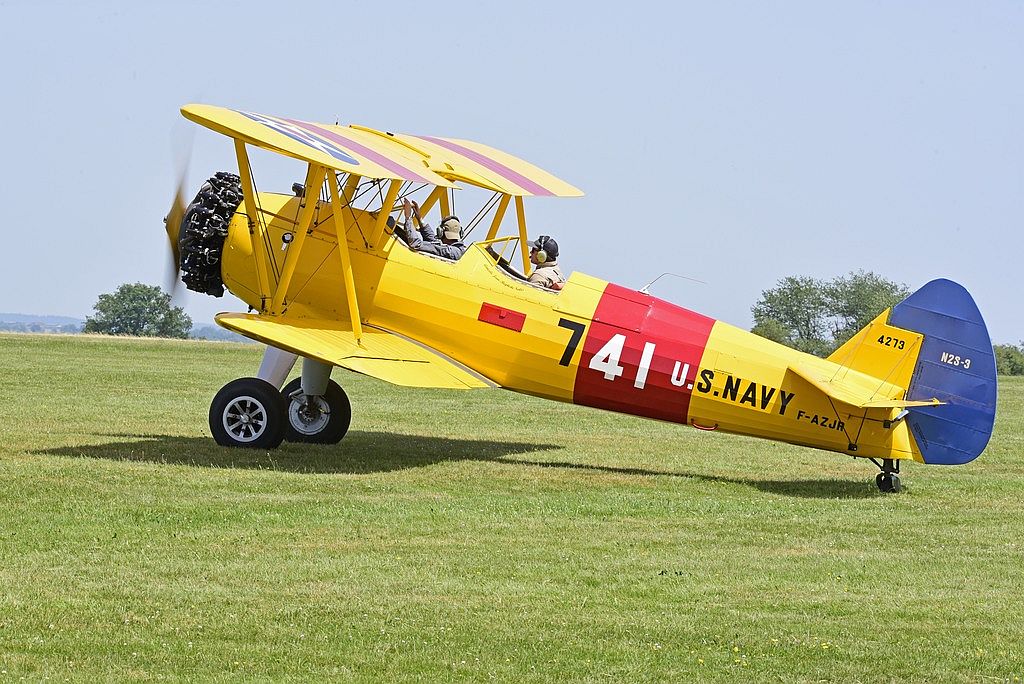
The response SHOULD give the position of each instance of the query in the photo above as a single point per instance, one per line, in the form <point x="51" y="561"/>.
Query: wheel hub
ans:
<point x="308" y="415"/>
<point x="245" y="419"/>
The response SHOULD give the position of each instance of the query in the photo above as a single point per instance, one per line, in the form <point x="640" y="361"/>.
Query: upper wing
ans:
<point x="488" y="167"/>
<point x="371" y="153"/>
<point x="336" y="147"/>
<point x="383" y="355"/>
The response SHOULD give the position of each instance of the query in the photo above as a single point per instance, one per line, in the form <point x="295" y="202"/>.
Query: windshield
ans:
<point x="503" y="252"/>
<point x="503" y="248"/>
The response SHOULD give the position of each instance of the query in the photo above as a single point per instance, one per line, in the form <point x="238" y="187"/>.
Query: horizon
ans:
<point x="735" y="144"/>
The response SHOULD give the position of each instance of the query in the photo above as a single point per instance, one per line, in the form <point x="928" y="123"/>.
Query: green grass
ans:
<point x="475" y="536"/>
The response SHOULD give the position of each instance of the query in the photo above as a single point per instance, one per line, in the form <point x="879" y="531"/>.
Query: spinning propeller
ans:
<point x="172" y="222"/>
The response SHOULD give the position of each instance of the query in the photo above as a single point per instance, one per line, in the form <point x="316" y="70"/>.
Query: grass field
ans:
<point x="475" y="536"/>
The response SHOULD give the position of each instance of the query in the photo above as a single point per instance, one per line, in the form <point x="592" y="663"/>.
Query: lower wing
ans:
<point x="379" y="353"/>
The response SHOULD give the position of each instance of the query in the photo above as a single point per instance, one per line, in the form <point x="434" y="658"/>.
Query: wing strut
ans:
<point x="498" y="216"/>
<point x="256" y="233"/>
<point x="314" y="179"/>
<point x="350" y="190"/>
<point x="431" y="200"/>
<point x="521" y="215"/>
<point x="346" y="261"/>
<point x="385" y="211"/>
<point x="446" y="205"/>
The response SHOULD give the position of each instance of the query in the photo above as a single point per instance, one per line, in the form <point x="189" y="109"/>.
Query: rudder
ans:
<point x="956" y="365"/>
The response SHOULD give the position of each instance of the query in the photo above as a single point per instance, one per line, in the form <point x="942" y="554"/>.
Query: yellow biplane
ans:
<point x="328" y="277"/>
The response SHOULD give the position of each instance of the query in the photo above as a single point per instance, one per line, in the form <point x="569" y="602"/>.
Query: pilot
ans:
<point x="446" y="242"/>
<point x="543" y="255"/>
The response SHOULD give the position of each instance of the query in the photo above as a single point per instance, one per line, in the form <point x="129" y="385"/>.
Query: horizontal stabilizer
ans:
<point x="900" y="403"/>
<point x="857" y="389"/>
<point x="380" y="354"/>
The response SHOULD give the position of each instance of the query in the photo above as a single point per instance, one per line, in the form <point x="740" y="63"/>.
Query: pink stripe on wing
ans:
<point x="375" y="157"/>
<point x="492" y="164"/>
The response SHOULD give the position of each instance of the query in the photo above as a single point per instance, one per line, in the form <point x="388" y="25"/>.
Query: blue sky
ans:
<point x="736" y="143"/>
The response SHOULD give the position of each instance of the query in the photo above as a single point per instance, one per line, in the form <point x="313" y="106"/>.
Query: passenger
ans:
<point x="543" y="255"/>
<point x="447" y="242"/>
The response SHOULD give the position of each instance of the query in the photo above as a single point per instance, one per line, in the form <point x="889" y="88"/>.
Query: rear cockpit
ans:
<point x="502" y="253"/>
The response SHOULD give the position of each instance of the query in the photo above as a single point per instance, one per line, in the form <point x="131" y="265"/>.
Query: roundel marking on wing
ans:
<point x="300" y="135"/>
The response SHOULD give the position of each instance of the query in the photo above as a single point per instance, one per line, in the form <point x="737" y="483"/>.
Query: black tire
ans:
<point x="248" y="413"/>
<point x="324" y="420"/>
<point x="888" y="483"/>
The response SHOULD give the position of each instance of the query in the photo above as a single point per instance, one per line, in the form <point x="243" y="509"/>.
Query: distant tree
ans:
<point x="856" y="298"/>
<point x="1009" y="359"/>
<point x="817" y="316"/>
<point x="774" y="331"/>
<point x="137" y="309"/>
<point x="794" y="313"/>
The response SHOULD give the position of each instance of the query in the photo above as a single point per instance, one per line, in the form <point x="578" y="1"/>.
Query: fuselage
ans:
<point x="593" y="343"/>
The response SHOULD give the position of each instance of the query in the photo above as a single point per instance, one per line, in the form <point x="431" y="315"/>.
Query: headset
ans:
<point x="441" y="228"/>
<point x="539" y="245"/>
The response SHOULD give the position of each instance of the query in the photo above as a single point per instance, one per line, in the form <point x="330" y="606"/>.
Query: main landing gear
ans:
<point x="254" y="413"/>
<point x="888" y="480"/>
<point x="319" y="419"/>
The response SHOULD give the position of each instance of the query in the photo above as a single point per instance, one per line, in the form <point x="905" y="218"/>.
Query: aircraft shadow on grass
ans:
<point x="814" y="489"/>
<point x="361" y="453"/>
<point x="366" y="452"/>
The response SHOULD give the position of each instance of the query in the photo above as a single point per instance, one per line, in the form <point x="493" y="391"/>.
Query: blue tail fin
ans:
<point x="956" y="365"/>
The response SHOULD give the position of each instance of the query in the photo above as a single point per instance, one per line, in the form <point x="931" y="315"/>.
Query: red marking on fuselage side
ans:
<point x="654" y="363"/>
<point x="506" y="318"/>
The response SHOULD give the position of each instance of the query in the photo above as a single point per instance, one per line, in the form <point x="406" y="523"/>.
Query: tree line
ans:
<point x="813" y="315"/>
<point x="817" y="316"/>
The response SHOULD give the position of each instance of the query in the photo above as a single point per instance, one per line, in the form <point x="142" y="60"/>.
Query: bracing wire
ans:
<point x="370" y="184"/>
<point x="263" y="227"/>
<point x="483" y="213"/>
<point x="849" y="439"/>
<point x="351" y="210"/>
<point x="411" y="191"/>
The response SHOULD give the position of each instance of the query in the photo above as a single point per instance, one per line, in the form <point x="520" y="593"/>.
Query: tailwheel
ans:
<point x="320" y="419"/>
<point x="888" y="481"/>
<point x="248" y="412"/>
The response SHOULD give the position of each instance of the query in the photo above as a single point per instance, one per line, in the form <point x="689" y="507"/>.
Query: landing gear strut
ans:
<point x="888" y="480"/>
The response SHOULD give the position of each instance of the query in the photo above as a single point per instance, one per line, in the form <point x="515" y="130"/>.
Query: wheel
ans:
<point x="318" y="420"/>
<point x="248" y="412"/>
<point x="888" y="482"/>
